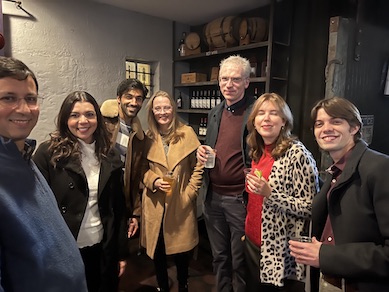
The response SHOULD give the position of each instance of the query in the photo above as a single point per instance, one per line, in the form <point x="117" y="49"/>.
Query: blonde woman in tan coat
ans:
<point x="169" y="223"/>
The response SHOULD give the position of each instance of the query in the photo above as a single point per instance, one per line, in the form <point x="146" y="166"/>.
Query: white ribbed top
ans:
<point x="91" y="231"/>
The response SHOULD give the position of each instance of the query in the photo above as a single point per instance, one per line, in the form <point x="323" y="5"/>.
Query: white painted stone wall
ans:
<point x="82" y="45"/>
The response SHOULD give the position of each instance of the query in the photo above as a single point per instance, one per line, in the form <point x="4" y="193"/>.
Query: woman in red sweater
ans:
<point x="279" y="196"/>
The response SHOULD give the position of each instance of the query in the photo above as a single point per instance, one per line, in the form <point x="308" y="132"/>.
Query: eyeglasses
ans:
<point x="11" y="101"/>
<point x="165" y="109"/>
<point x="235" y="80"/>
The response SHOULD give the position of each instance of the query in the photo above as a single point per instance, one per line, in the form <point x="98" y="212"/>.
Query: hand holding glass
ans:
<point x="301" y="235"/>
<point x="211" y="156"/>
<point x="254" y="172"/>
<point x="171" y="179"/>
<point x="302" y="239"/>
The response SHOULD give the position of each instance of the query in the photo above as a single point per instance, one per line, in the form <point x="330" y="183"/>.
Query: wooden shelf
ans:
<point x="193" y="111"/>
<point x="224" y="51"/>
<point x="280" y="78"/>
<point x="204" y="83"/>
<point x="282" y="44"/>
<point x="213" y="83"/>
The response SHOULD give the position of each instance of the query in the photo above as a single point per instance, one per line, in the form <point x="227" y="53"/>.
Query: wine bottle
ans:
<point x="192" y="99"/>
<point x="208" y="105"/>
<point x="181" y="45"/>
<point x="203" y="99"/>
<point x="179" y="101"/>
<point x="255" y="93"/>
<point x="218" y="98"/>
<point x="201" y="127"/>
<point x="197" y="99"/>
<point x="213" y="99"/>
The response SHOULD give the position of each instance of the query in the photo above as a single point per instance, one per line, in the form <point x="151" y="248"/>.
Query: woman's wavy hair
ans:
<point x="285" y="138"/>
<point x="63" y="144"/>
<point x="173" y="135"/>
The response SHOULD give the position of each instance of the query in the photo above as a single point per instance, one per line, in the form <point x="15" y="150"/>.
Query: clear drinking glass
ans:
<point x="171" y="179"/>
<point x="210" y="163"/>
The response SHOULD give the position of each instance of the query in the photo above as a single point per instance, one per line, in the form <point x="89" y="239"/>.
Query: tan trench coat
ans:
<point x="177" y="213"/>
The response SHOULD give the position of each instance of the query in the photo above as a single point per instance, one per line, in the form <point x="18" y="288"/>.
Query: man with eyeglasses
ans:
<point x="224" y="206"/>
<point x="127" y="136"/>
<point x="37" y="250"/>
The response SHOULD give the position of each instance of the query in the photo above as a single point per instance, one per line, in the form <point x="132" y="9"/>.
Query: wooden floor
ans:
<point x="140" y="276"/>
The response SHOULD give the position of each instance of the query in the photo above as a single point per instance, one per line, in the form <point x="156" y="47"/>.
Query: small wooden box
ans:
<point x="193" y="77"/>
<point x="214" y="74"/>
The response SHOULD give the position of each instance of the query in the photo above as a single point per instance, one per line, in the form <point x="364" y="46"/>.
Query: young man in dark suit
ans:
<point x="350" y="218"/>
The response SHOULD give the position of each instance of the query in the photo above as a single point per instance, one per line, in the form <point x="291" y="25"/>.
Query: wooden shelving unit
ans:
<point x="271" y="56"/>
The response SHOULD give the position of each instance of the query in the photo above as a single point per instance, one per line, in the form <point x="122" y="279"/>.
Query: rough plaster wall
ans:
<point x="77" y="45"/>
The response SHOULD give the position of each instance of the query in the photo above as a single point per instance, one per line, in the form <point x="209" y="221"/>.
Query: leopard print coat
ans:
<point x="294" y="182"/>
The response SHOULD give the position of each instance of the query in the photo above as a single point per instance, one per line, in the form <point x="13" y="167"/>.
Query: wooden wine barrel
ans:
<point x="252" y="30"/>
<point x="192" y="40"/>
<point x="222" y="32"/>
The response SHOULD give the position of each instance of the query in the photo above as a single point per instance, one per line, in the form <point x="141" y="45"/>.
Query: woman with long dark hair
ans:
<point x="85" y="174"/>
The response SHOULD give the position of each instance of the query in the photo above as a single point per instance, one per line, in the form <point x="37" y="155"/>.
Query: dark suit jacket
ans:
<point x="358" y="210"/>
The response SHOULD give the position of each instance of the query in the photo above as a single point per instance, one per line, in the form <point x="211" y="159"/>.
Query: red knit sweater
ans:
<point x="254" y="206"/>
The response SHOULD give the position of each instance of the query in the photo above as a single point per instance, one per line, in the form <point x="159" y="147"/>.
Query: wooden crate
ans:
<point x="193" y="77"/>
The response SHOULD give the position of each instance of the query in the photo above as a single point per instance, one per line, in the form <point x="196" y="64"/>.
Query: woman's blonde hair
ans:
<point x="285" y="137"/>
<point x="172" y="136"/>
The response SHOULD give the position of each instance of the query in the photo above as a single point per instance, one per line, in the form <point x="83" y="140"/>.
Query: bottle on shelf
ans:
<point x="205" y="100"/>
<point x="253" y="67"/>
<point x="181" y="45"/>
<point x="208" y="99"/>
<point x="192" y="99"/>
<point x="256" y="93"/>
<point x="218" y="98"/>
<point x="197" y="99"/>
<point x="201" y="100"/>
<point x="179" y="101"/>
<point x="205" y="125"/>
<point x="213" y="99"/>
<point x="201" y="127"/>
